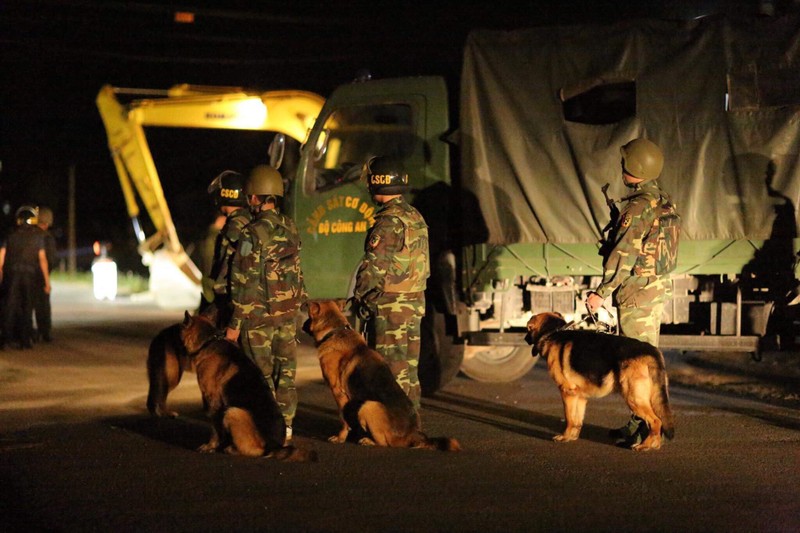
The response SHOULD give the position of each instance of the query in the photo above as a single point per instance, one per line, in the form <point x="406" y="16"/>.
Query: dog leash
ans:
<point x="360" y="324"/>
<point x="602" y="327"/>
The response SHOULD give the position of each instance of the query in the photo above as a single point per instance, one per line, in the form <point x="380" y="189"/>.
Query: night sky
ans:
<point x="56" y="54"/>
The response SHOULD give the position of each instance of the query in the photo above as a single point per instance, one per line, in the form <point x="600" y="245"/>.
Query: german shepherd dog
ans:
<point x="587" y="364"/>
<point x="372" y="406"/>
<point x="245" y="416"/>
<point x="166" y="362"/>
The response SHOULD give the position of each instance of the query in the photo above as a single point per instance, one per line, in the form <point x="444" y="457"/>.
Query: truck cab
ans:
<point x="406" y="119"/>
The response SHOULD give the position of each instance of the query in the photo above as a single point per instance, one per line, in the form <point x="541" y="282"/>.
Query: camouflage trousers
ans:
<point x="395" y="334"/>
<point x="643" y="323"/>
<point x="274" y="350"/>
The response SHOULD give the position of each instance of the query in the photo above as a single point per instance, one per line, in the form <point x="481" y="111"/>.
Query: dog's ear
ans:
<point x="187" y="318"/>
<point x="313" y="309"/>
<point x="559" y="315"/>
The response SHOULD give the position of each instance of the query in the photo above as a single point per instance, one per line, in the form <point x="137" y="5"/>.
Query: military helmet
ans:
<point x="264" y="180"/>
<point x="385" y="175"/>
<point x="228" y="189"/>
<point x="642" y="159"/>
<point x="45" y="216"/>
<point x="27" y="214"/>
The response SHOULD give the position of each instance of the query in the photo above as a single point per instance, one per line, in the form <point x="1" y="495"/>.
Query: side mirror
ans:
<point x="276" y="150"/>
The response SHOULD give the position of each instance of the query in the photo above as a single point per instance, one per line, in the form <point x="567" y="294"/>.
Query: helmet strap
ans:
<point x="264" y="202"/>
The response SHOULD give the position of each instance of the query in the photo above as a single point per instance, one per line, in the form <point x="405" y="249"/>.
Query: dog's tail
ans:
<point x="443" y="444"/>
<point x="660" y="402"/>
<point x="290" y="454"/>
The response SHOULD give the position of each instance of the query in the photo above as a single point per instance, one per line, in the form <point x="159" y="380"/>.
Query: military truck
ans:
<point x="510" y="179"/>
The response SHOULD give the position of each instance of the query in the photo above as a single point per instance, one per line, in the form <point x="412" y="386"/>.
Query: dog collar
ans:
<point x="215" y="337"/>
<point x="333" y="332"/>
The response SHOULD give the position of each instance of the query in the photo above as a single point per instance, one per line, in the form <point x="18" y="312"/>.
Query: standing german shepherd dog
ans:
<point x="587" y="364"/>
<point x="244" y="414"/>
<point x="373" y="408"/>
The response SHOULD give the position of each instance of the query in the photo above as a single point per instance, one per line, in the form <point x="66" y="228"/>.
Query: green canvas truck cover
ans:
<point x="721" y="97"/>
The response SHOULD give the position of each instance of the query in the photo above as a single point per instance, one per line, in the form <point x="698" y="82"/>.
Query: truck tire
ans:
<point x="497" y="364"/>
<point x="440" y="354"/>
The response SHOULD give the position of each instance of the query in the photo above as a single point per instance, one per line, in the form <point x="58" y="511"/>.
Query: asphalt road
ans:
<point x="78" y="452"/>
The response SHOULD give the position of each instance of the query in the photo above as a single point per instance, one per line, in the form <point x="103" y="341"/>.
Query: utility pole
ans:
<point x="71" y="241"/>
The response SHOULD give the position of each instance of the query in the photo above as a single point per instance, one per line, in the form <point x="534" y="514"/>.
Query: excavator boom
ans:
<point x="289" y="112"/>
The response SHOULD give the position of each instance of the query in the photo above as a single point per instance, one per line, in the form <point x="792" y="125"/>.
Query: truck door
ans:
<point x="403" y="118"/>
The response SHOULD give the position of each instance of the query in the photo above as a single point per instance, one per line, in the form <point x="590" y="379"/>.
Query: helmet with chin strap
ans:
<point x="385" y="175"/>
<point x="264" y="180"/>
<point x="27" y="214"/>
<point x="642" y="159"/>
<point x="228" y="189"/>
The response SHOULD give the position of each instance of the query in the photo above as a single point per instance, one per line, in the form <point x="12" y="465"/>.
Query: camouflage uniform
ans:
<point x="629" y="267"/>
<point x="267" y="291"/>
<point x="391" y="281"/>
<point x="224" y="249"/>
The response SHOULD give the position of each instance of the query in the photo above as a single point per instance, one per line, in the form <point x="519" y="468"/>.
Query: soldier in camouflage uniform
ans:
<point x="391" y="279"/>
<point x="267" y="289"/>
<point x="629" y="273"/>
<point x="231" y="200"/>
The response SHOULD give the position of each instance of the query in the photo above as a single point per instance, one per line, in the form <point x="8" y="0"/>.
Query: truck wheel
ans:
<point x="440" y="355"/>
<point x="497" y="364"/>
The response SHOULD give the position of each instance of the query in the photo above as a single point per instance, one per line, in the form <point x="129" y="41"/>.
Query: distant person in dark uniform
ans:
<point x="22" y="261"/>
<point x="41" y="308"/>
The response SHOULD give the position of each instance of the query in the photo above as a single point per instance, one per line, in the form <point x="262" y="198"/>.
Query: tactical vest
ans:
<point x="225" y="248"/>
<point x="659" y="254"/>
<point x="282" y="278"/>
<point x="410" y="266"/>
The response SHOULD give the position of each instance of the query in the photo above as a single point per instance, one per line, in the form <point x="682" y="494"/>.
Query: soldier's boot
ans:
<point x="628" y="430"/>
<point x="638" y="437"/>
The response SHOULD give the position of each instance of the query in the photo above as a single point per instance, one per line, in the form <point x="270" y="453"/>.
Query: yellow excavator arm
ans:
<point x="187" y="106"/>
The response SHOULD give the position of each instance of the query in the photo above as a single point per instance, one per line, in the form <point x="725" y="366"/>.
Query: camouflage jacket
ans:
<point x="225" y="248"/>
<point x="395" y="253"/>
<point x="266" y="279"/>
<point x="626" y="256"/>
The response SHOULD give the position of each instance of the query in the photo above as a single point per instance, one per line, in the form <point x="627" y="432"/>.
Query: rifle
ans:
<point x="607" y="241"/>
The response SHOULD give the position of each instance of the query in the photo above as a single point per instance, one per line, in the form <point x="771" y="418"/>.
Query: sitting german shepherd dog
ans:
<point x="587" y="364"/>
<point x="372" y="406"/>
<point x="245" y="416"/>
<point x="166" y="362"/>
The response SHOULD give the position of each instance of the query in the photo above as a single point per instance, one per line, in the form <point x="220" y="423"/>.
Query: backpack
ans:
<point x="659" y="255"/>
<point x="667" y="237"/>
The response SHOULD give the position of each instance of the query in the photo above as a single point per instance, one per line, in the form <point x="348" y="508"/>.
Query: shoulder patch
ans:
<point x="626" y="221"/>
<point x="245" y="248"/>
<point x="374" y="240"/>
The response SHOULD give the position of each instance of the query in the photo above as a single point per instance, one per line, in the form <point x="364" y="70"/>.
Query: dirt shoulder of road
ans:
<point x="775" y="378"/>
